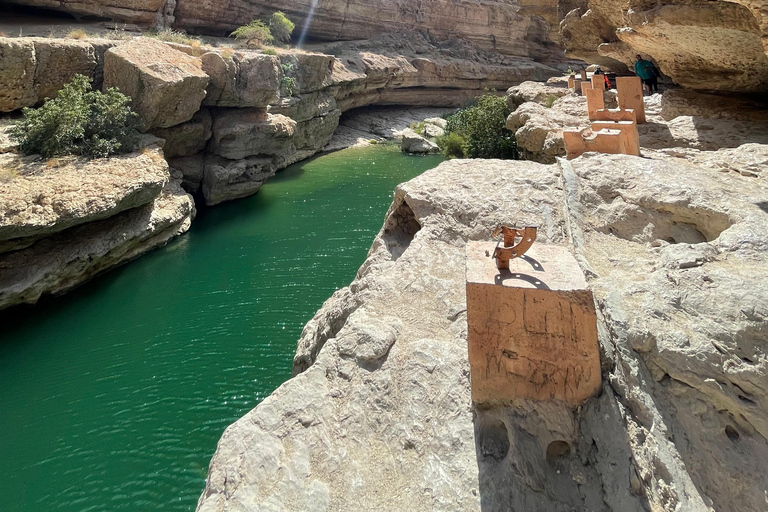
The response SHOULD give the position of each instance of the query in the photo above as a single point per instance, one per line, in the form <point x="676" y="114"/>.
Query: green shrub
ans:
<point x="418" y="127"/>
<point x="451" y="145"/>
<point x="269" y="51"/>
<point x="78" y="121"/>
<point x="551" y="99"/>
<point x="281" y="27"/>
<point x="483" y="129"/>
<point x="288" y="83"/>
<point x="254" y="32"/>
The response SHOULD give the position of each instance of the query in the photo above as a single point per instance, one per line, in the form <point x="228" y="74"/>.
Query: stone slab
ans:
<point x="629" y="134"/>
<point x="630" y="90"/>
<point x="578" y="142"/>
<point x="532" y="331"/>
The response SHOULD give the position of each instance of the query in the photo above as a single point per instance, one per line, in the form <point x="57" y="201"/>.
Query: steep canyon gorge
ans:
<point x="378" y="415"/>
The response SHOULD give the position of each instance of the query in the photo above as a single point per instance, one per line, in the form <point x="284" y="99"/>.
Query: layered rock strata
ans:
<point x="64" y="222"/>
<point x="379" y="416"/>
<point x="718" y="46"/>
<point x="507" y="27"/>
<point x="231" y="119"/>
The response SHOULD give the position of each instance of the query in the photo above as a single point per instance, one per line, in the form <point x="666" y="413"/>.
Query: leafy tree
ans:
<point x="79" y="121"/>
<point x="482" y="127"/>
<point x="281" y="27"/>
<point x="254" y="32"/>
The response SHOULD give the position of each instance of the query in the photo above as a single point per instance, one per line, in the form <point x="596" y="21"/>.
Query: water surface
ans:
<point x="113" y="396"/>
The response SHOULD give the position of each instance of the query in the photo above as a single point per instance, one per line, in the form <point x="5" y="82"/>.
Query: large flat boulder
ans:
<point x="167" y="86"/>
<point x="66" y="259"/>
<point x="35" y="68"/>
<point x="242" y="133"/>
<point x="379" y="414"/>
<point x="44" y="198"/>
<point x="242" y="79"/>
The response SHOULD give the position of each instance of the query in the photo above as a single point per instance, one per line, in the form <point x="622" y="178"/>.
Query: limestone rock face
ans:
<point x="242" y="80"/>
<point x="131" y="207"/>
<point x="35" y="68"/>
<point x="414" y="143"/>
<point x="166" y="85"/>
<point x="188" y="138"/>
<point x="378" y="415"/>
<point x="149" y="13"/>
<point x="491" y="24"/>
<point x="43" y="200"/>
<point x="224" y="180"/>
<point x="719" y="46"/>
<point x="248" y="132"/>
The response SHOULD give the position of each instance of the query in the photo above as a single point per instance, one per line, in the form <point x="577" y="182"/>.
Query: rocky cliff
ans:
<point x="707" y="45"/>
<point x="378" y="416"/>
<point x="498" y="25"/>
<point x="64" y="221"/>
<point x="229" y="118"/>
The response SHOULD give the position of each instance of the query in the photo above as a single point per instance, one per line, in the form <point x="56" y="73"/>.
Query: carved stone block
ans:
<point x="598" y="82"/>
<point x="614" y="115"/>
<point x="629" y="134"/>
<point x="630" y="90"/>
<point x="595" y="102"/>
<point x="532" y="330"/>
<point x="578" y="142"/>
<point x="585" y="86"/>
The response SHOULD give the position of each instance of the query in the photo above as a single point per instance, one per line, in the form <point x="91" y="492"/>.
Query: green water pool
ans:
<point x="113" y="396"/>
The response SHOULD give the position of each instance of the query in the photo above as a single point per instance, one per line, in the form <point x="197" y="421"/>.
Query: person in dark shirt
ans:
<point x="647" y="73"/>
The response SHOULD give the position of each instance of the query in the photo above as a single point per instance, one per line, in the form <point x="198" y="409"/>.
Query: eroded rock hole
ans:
<point x="672" y="223"/>
<point x="557" y="449"/>
<point x="400" y="228"/>
<point x="732" y="433"/>
<point x="493" y="440"/>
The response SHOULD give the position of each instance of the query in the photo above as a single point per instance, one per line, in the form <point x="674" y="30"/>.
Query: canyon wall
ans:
<point x="228" y="121"/>
<point x="497" y="25"/>
<point x="707" y="45"/>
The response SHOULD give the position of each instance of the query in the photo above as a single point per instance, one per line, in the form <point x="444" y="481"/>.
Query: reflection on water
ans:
<point x="113" y="397"/>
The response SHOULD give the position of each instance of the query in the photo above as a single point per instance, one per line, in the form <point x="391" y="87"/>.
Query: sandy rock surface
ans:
<point x="412" y="142"/>
<point x="166" y="85"/>
<point x="678" y="120"/>
<point x="378" y="416"/>
<point x="46" y="197"/>
<point x="66" y="259"/>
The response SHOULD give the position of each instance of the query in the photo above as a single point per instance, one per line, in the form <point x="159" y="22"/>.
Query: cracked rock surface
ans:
<point x="378" y="415"/>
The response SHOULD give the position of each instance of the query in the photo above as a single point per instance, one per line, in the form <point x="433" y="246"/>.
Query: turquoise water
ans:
<point x="113" y="396"/>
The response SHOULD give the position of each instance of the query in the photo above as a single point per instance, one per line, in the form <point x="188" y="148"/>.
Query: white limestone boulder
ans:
<point x="167" y="86"/>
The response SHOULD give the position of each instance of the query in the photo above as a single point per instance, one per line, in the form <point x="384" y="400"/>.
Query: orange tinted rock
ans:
<point x="630" y="90"/>
<point x="533" y="330"/>
<point x="578" y="142"/>
<point x="629" y="134"/>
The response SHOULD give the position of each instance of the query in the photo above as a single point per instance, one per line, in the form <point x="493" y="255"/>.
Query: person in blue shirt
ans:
<point x="647" y="73"/>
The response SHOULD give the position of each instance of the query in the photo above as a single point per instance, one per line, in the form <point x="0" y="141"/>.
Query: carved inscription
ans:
<point x="531" y="343"/>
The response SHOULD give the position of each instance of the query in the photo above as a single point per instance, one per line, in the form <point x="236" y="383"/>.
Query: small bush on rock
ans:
<point x="451" y="145"/>
<point x="483" y="128"/>
<point x="256" y="32"/>
<point x="79" y="121"/>
<point x="281" y="27"/>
